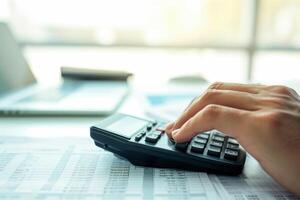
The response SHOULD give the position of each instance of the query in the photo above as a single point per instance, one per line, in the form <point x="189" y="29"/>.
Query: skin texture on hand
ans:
<point x="264" y="119"/>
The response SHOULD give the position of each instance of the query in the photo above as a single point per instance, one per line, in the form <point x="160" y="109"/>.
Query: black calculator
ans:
<point x="144" y="143"/>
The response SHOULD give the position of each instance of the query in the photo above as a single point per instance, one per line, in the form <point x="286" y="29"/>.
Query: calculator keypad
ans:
<point x="215" y="144"/>
<point x="212" y="143"/>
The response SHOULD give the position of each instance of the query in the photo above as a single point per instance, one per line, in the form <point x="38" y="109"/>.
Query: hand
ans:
<point x="264" y="119"/>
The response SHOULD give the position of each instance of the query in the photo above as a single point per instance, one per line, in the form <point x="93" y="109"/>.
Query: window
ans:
<point x="279" y="24"/>
<point x="133" y="22"/>
<point x="229" y="40"/>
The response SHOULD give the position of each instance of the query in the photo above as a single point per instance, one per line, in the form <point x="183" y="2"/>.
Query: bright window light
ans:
<point x="216" y="38"/>
<point x="147" y="22"/>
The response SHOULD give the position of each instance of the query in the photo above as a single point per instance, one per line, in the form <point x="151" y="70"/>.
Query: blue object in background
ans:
<point x="156" y="100"/>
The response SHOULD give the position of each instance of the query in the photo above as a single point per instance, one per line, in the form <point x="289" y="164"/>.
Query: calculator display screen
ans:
<point x="126" y="126"/>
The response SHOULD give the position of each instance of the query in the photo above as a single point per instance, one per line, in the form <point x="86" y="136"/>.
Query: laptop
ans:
<point x="21" y="95"/>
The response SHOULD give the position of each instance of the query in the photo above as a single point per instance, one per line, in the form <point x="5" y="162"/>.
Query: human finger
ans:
<point x="168" y="129"/>
<point x="250" y="88"/>
<point x="234" y="99"/>
<point x="225" y="119"/>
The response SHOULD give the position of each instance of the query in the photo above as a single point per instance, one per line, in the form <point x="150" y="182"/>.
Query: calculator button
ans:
<point x="149" y="127"/>
<point x="232" y="141"/>
<point x="152" y="138"/>
<point x="197" y="148"/>
<point x="143" y="133"/>
<point x="139" y="136"/>
<point x="232" y="146"/>
<point x="214" y="151"/>
<point x="216" y="144"/>
<point x="160" y="129"/>
<point x="231" y="154"/>
<point x="218" y="138"/>
<point x="217" y="133"/>
<point x="200" y="140"/>
<point x="181" y="146"/>
<point x="203" y="136"/>
<point x="156" y="133"/>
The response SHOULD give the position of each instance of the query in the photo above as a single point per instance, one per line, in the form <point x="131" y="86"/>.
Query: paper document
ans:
<point x="168" y="103"/>
<point x="167" y="107"/>
<point x="76" y="169"/>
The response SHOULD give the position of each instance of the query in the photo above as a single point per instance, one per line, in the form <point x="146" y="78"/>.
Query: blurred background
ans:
<point x="233" y="40"/>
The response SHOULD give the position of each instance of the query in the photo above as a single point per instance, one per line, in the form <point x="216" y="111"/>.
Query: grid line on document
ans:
<point x="58" y="169"/>
<point x="148" y="188"/>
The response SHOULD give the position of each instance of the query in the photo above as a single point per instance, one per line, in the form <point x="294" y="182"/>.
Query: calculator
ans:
<point x="144" y="143"/>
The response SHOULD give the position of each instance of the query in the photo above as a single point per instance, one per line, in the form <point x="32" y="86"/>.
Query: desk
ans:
<point x="53" y="157"/>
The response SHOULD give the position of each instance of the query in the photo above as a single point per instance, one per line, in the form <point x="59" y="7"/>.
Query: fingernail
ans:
<point x="168" y="128"/>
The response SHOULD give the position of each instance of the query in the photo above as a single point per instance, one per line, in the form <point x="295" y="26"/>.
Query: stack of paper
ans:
<point x="76" y="169"/>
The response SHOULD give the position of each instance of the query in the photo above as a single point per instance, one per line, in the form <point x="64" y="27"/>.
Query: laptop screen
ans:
<point x="14" y="70"/>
